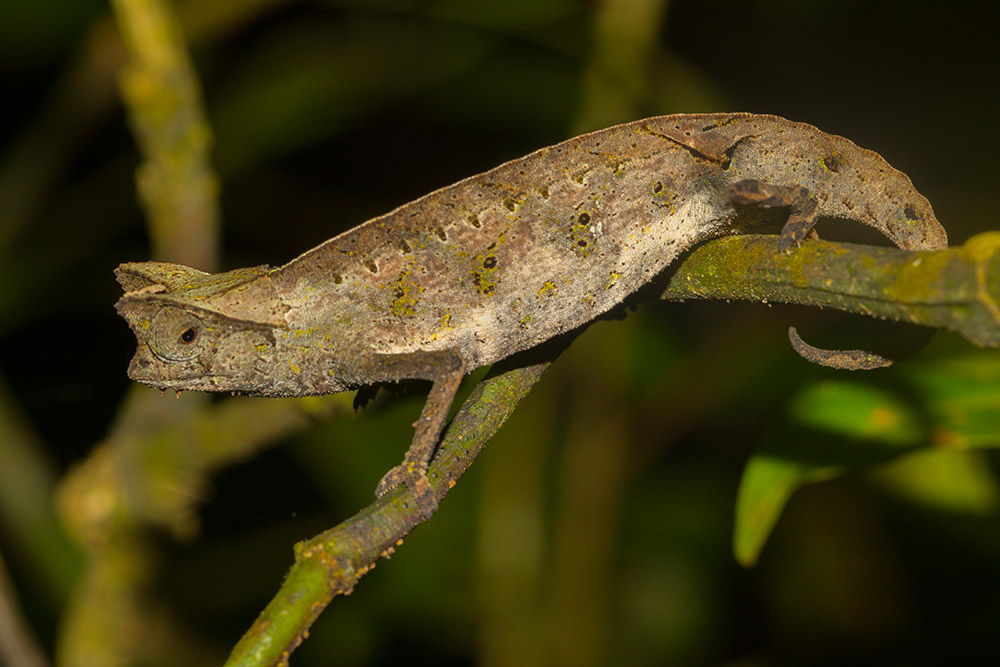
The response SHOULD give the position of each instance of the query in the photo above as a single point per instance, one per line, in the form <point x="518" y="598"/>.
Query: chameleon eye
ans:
<point x="174" y="334"/>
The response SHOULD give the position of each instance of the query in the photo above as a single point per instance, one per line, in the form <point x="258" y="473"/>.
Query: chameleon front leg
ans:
<point x="445" y="369"/>
<point x="800" y="223"/>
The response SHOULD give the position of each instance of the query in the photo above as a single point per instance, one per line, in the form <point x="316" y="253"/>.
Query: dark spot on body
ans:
<point x="582" y="243"/>
<point x="371" y="266"/>
<point x="474" y="221"/>
<point x="337" y="279"/>
<point x="833" y="162"/>
<point x="584" y="219"/>
<point x="910" y="213"/>
<point x="490" y="263"/>
<point x="441" y="234"/>
<point x="404" y="246"/>
<point x="491" y="246"/>
<point x="544" y="191"/>
<point x="482" y="286"/>
<point x="510" y="204"/>
<point x="658" y="187"/>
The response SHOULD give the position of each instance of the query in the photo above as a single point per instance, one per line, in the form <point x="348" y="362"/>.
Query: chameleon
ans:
<point x="501" y="262"/>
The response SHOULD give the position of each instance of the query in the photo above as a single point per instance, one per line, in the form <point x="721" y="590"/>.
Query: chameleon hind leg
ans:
<point x="800" y="224"/>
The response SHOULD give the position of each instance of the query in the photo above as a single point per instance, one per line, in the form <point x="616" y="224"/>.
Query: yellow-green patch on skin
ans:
<point x="513" y="203"/>
<point x="548" y="287"/>
<point x="616" y="163"/>
<point x="261" y="348"/>
<point x="405" y="289"/>
<point x="663" y="196"/>
<point x="581" y="232"/>
<point x="612" y="279"/>
<point x="482" y="282"/>
<point x="484" y="266"/>
<point x="825" y="167"/>
<point x="295" y="367"/>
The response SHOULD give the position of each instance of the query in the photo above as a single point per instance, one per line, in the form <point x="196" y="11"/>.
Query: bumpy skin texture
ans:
<point x="502" y="261"/>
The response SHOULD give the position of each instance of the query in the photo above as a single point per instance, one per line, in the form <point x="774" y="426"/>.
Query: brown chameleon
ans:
<point x="500" y="262"/>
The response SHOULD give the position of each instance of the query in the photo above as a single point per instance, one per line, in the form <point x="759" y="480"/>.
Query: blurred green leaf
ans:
<point x="962" y="398"/>
<point x="944" y="480"/>
<point x="856" y="410"/>
<point x="836" y="426"/>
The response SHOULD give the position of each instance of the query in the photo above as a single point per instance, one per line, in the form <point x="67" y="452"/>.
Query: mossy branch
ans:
<point x="177" y="185"/>
<point x="957" y="289"/>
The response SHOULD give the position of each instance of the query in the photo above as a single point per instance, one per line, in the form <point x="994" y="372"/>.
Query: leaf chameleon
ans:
<point x="500" y="262"/>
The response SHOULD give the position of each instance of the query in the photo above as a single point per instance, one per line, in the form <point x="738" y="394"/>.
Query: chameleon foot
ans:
<point x="416" y="481"/>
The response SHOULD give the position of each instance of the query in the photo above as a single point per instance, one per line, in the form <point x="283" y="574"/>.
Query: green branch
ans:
<point x="957" y="289"/>
<point x="177" y="185"/>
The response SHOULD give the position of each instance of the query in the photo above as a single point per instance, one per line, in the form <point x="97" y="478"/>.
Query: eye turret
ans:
<point x="176" y="335"/>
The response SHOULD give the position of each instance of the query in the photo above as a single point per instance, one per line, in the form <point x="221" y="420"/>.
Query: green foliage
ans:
<point x="921" y="425"/>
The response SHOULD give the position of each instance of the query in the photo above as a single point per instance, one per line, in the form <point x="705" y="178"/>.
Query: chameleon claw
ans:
<point x="416" y="481"/>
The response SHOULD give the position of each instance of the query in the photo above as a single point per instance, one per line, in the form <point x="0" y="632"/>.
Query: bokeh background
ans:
<point x="597" y="528"/>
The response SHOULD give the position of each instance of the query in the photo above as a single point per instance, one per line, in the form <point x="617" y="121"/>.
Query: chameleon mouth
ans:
<point x="199" y="382"/>
<point x="147" y="374"/>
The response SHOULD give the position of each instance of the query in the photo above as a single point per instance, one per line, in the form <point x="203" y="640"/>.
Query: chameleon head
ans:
<point x="183" y="348"/>
<point x="199" y="331"/>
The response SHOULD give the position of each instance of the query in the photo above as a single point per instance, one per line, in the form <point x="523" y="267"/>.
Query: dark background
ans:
<point x="596" y="528"/>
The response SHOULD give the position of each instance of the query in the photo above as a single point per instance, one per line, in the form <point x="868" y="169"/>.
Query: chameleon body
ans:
<point x="499" y="262"/>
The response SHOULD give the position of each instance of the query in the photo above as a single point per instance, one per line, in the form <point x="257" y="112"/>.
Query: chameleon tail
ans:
<point x="907" y="341"/>
<point x="851" y="360"/>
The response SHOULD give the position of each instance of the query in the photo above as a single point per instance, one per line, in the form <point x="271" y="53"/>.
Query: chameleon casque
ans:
<point x="500" y="262"/>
